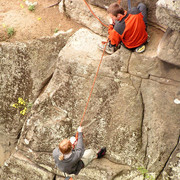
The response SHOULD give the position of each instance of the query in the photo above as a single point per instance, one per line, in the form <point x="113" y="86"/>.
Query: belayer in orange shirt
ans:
<point x="128" y="28"/>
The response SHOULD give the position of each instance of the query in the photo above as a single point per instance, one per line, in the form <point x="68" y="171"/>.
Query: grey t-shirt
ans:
<point x="73" y="164"/>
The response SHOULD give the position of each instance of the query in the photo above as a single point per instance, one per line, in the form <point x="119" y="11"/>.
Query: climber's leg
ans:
<point x="88" y="156"/>
<point x="143" y="9"/>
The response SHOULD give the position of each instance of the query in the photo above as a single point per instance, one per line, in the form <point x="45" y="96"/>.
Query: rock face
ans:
<point x="22" y="77"/>
<point x="83" y="15"/>
<point x="126" y="113"/>
<point x="168" y="13"/>
<point x="132" y="109"/>
<point x="19" y="168"/>
<point x="172" y="168"/>
<point x="168" y="49"/>
<point x="156" y="120"/>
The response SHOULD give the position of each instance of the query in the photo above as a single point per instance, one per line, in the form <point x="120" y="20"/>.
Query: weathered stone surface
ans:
<point x="7" y="145"/>
<point x="3" y="34"/>
<point x="160" y="123"/>
<point x="25" y="70"/>
<point x="142" y="66"/>
<point x="168" y="49"/>
<point x="58" y="109"/>
<point x="130" y="175"/>
<point x="103" y="101"/>
<point x="83" y="15"/>
<point x="155" y="36"/>
<point x="101" y="3"/>
<point x="19" y="167"/>
<point x="151" y="5"/>
<point x="15" y="82"/>
<point x="131" y="112"/>
<point x="145" y="67"/>
<point x="101" y="169"/>
<point x="148" y="64"/>
<point x="168" y="13"/>
<point x="118" y="61"/>
<point x="172" y="168"/>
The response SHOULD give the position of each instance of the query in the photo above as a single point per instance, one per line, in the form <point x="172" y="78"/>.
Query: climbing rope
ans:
<point x="91" y="89"/>
<point x="94" y="14"/>
<point x="85" y="109"/>
<point x="97" y="68"/>
<point x="93" y="83"/>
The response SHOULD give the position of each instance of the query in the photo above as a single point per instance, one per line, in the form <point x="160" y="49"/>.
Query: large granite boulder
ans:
<point x="172" y="168"/>
<point x="25" y="70"/>
<point x="78" y="11"/>
<point x="168" y="49"/>
<point x="57" y="112"/>
<point x="101" y="3"/>
<point x="160" y="123"/>
<point x="131" y="112"/>
<point x="19" y="167"/>
<point x="168" y="13"/>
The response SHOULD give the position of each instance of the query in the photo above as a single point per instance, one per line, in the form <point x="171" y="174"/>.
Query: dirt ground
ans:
<point x="29" y="25"/>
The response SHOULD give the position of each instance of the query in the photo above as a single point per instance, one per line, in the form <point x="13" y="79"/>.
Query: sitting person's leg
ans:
<point x="143" y="9"/>
<point x="88" y="156"/>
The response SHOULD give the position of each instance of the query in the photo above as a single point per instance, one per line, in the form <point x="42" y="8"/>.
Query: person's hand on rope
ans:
<point x="79" y="129"/>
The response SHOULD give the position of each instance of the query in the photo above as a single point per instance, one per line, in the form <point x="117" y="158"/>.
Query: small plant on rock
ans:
<point x="31" y="7"/>
<point x="56" y="30"/>
<point x="145" y="173"/>
<point x="10" y="31"/>
<point x="22" y="105"/>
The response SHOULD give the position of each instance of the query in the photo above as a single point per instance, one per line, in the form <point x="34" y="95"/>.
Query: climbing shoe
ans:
<point x="101" y="153"/>
<point x="140" y="49"/>
<point x="108" y="50"/>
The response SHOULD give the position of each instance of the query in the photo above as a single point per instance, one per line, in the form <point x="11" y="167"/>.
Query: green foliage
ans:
<point x="10" y="31"/>
<point x="22" y="105"/>
<point x="56" y="30"/>
<point x="31" y="7"/>
<point x="145" y="173"/>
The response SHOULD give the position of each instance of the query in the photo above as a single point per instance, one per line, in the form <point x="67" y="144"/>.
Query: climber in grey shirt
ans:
<point x="70" y="160"/>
